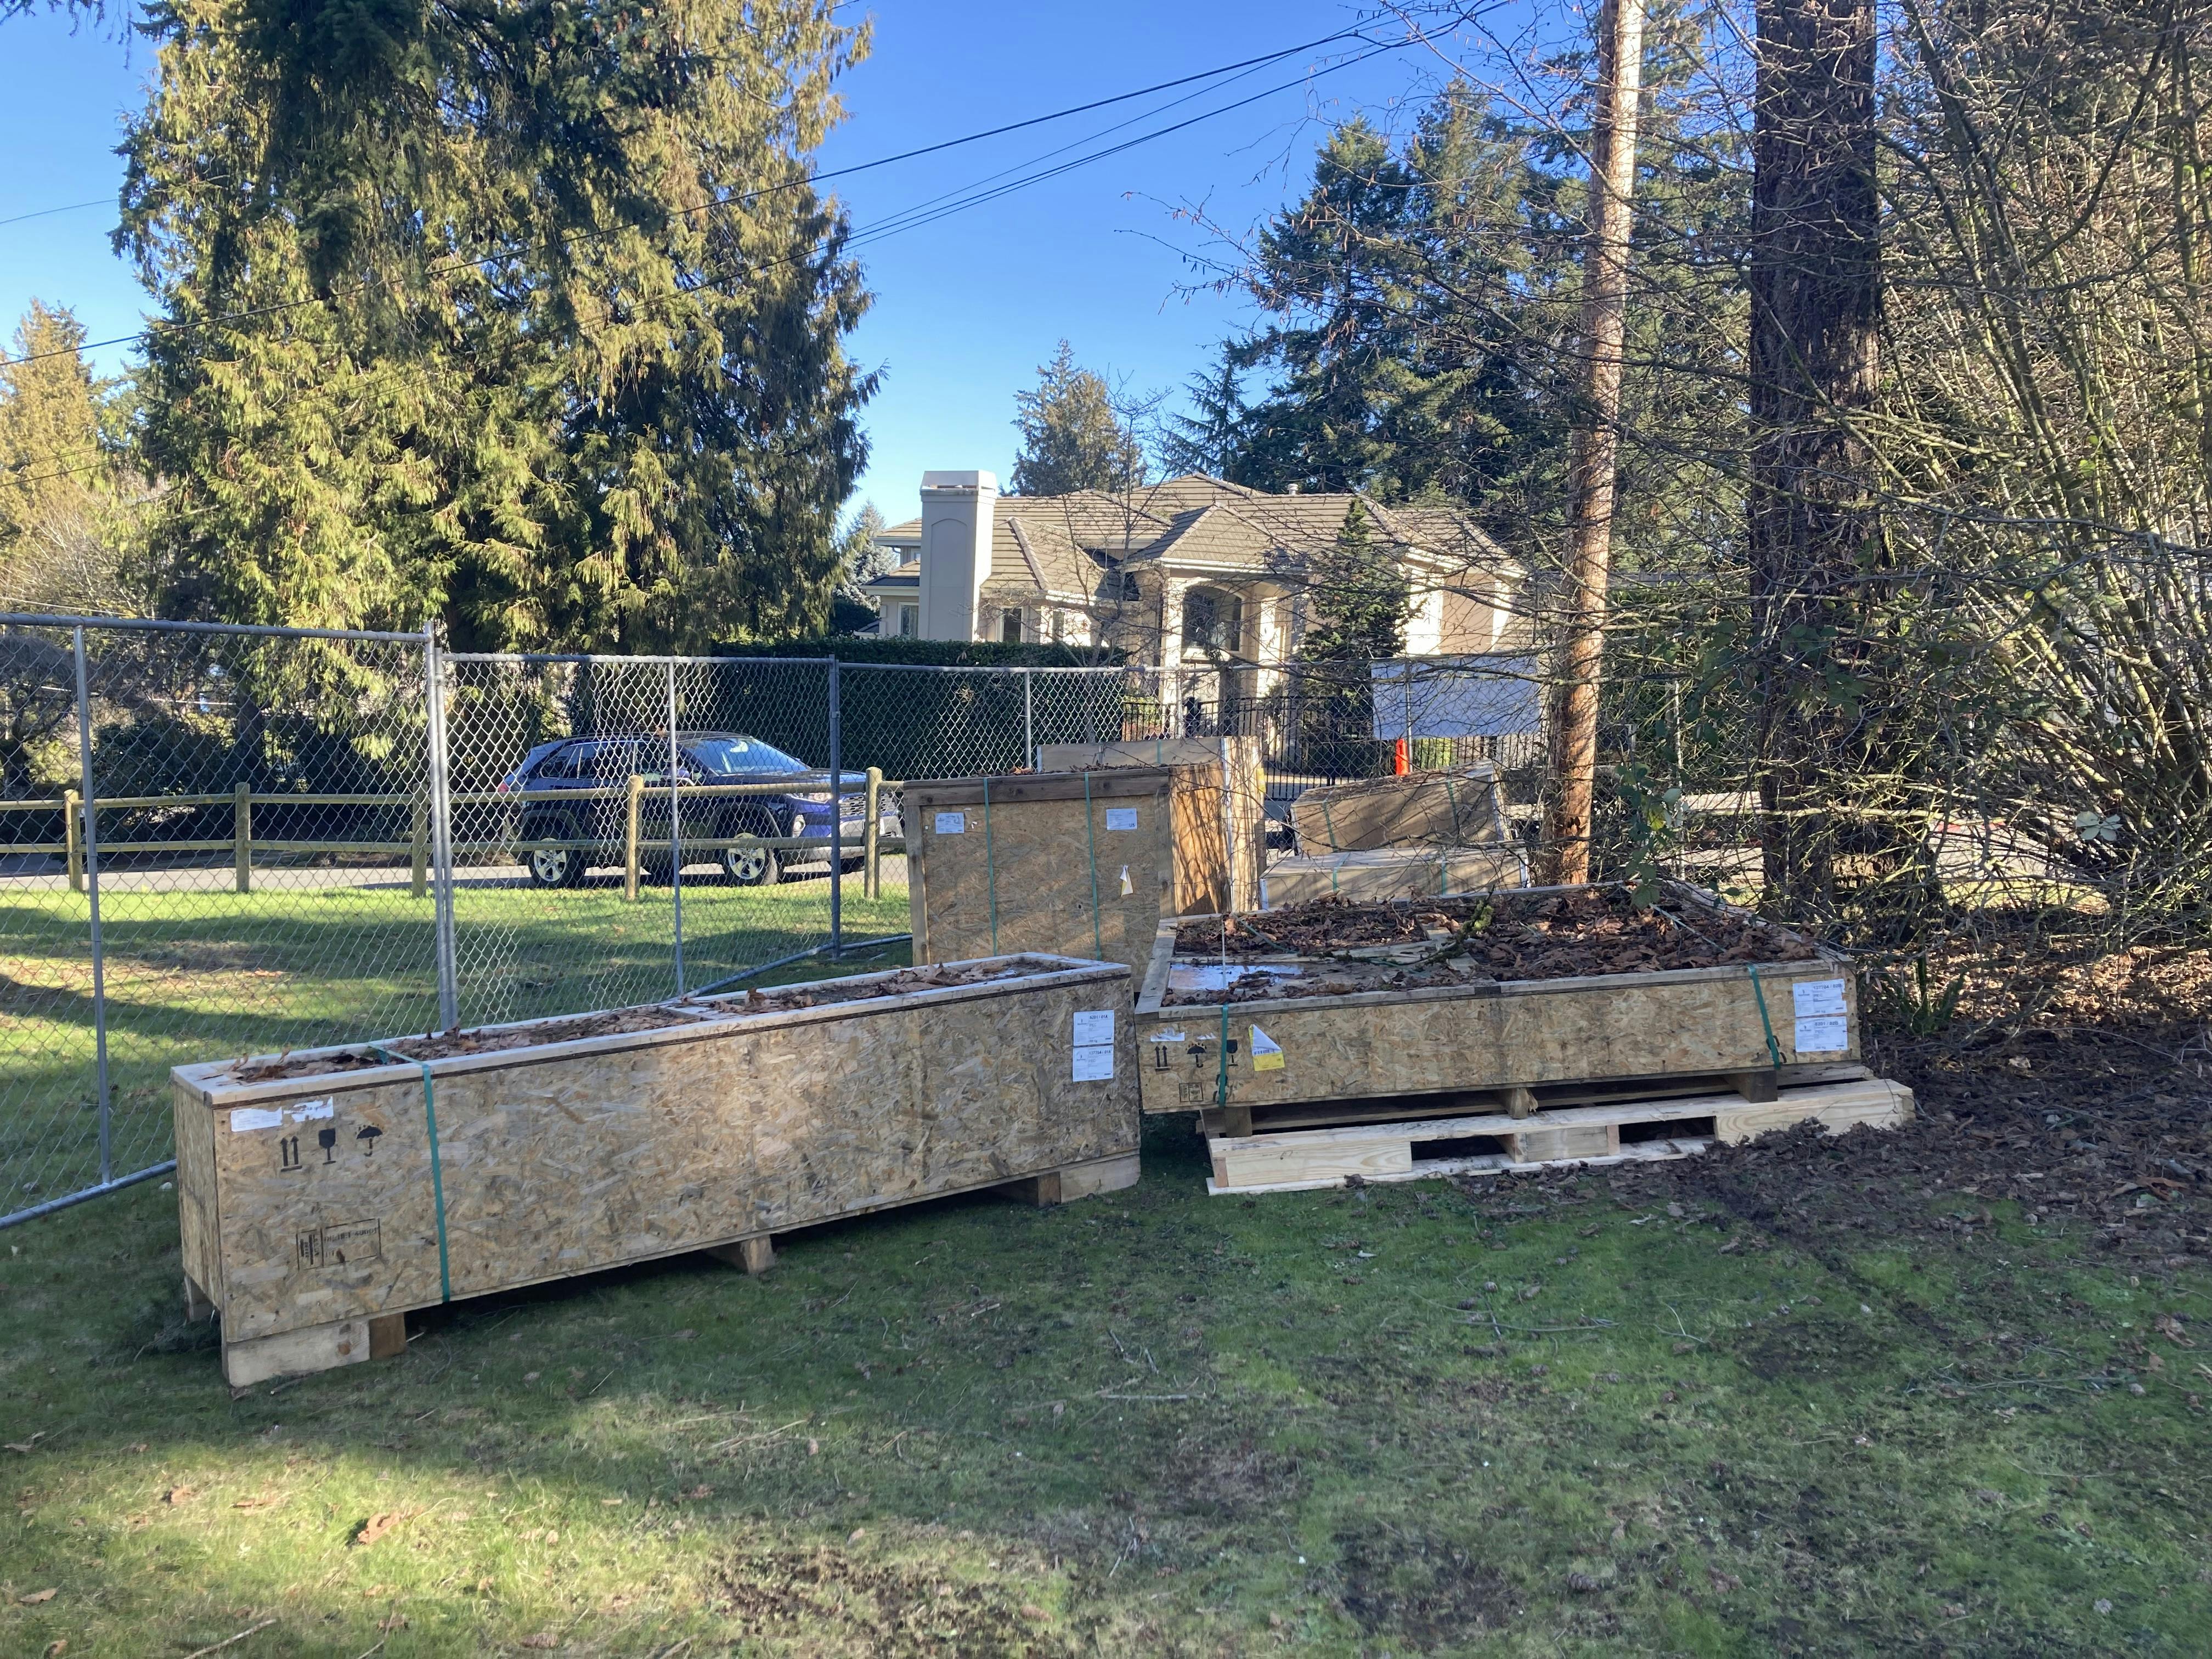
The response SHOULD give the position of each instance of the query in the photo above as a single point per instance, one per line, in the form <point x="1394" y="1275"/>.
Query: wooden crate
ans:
<point x="1518" y="1045"/>
<point x="316" y="1210"/>
<point x="1299" y="1160"/>
<point x="1242" y="801"/>
<point x="1391" y="872"/>
<point x="1078" y="863"/>
<point x="1458" y="807"/>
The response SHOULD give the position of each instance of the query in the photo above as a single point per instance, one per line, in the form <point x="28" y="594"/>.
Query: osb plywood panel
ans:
<point x="195" y="1143"/>
<point x="1456" y="808"/>
<point x="1393" y="872"/>
<point x="1379" y="1043"/>
<point x="1242" y="804"/>
<point x="1041" y="867"/>
<point x="556" y="1162"/>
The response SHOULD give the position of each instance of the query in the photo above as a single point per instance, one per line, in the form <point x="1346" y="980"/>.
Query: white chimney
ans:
<point x="956" y="551"/>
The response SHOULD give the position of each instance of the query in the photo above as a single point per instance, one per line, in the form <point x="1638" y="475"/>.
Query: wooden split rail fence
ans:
<point x="244" y="845"/>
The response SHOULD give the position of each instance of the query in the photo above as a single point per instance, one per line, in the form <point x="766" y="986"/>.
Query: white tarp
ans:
<point x="1478" y="696"/>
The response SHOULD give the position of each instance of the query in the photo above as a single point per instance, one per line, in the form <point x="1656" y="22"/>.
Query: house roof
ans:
<point x="1063" y="545"/>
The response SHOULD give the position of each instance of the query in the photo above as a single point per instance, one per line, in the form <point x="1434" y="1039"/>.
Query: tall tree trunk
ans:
<point x="1814" y="304"/>
<point x="1595" y="461"/>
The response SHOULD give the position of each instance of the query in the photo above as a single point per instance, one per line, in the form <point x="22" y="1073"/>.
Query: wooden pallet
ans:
<point x="1300" y="1160"/>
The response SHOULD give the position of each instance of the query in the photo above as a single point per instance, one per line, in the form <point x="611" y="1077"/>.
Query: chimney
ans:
<point x="956" y="551"/>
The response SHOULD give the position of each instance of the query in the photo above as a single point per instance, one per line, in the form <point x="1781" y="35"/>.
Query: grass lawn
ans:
<point x="198" y="974"/>
<point x="1803" y="1397"/>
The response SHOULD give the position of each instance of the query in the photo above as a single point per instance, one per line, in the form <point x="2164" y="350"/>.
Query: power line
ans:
<point x="71" y="207"/>
<point x="809" y="179"/>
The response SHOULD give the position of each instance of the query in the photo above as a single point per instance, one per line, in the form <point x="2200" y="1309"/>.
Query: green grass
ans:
<point x="198" y="975"/>
<point x="1385" y="1420"/>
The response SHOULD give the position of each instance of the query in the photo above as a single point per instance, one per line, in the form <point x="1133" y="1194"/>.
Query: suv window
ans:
<point x="610" y="760"/>
<point x="561" y="763"/>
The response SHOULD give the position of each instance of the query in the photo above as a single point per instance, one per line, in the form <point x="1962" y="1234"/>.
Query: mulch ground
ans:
<point x="2095" y="1116"/>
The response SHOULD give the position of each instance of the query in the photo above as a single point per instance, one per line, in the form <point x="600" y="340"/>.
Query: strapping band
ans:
<point x="1221" y="1079"/>
<point x="990" y="868"/>
<point x="1758" y="991"/>
<point x="1091" y="835"/>
<point x="437" y="1173"/>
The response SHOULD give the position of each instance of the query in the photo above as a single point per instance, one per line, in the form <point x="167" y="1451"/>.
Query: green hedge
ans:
<point x="944" y="653"/>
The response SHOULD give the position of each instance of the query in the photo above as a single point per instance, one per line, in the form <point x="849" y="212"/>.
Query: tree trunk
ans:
<point x="1814" y="304"/>
<point x="1596" y="462"/>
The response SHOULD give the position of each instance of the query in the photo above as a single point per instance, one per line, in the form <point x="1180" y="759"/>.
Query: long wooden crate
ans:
<point x="1391" y="872"/>
<point x="1517" y="1045"/>
<point x="1241" y="781"/>
<point x="1300" y="1160"/>
<point x="318" y="1209"/>
<point x="1078" y="863"/>
<point x="1455" y="807"/>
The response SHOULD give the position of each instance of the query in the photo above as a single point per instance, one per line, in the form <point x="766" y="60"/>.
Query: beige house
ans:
<point x="1199" y="578"/>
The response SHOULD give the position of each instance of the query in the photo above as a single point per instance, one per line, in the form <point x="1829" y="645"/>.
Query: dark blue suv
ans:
<point x="594" y="828"/>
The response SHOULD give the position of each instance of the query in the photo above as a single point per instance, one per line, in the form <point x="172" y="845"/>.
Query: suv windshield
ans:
<point x="742" y="755"/>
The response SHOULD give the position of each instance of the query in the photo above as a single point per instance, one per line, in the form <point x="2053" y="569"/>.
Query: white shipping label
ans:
<point x="1267" y="1052"/>
<point x="1167" y="1037"/>
<point x="1823" y="1034"/>
<point x="952" y="823"/>
<point x="1094" y="1062"/>
<point x="1120" y="817"/>
<point x="256" y="1117"/>
<point x="1818" y="996"/>
<point x="1094" y="1027"/>
<point x="306" y="1108"/>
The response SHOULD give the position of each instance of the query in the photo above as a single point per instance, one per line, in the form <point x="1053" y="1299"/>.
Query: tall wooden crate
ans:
<point x="1233" y="767"/>
<point x="1455" y="807"/>
<point x="317" y="1209"/>
<point x="1080" y="864"/>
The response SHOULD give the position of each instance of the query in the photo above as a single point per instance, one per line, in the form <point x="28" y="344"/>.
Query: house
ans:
<point x="1201" y="578"/>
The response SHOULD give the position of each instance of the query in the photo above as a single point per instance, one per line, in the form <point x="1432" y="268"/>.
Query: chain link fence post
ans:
<point x="90" y="796"/>
<point x="836" y="813"/>
<point x="441" y="830"/>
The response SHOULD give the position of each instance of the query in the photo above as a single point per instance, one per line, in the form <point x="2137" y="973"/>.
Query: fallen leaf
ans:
<point x="544" y="1639"/>
<point x="1723" y="1583"/>
<point x="25" y="1445"/>
<point x="1675" y="1210"/>
<point x="378" y="1525"/>
<point x="2170" y="1328"/>
<point x="36" y="1597"/>
<point x="55" y="1649"/>
<point x="398" y="1621"/>
<point x="1582" y="1584"/>
<point x="179" y="1495"/>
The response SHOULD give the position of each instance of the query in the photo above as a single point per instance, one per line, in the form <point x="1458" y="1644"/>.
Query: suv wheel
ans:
<point x="750" y="866"/>
<point x="554" y="866"/>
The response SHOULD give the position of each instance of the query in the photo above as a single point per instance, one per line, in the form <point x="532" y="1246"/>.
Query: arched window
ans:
<point x="1212" y="621"/>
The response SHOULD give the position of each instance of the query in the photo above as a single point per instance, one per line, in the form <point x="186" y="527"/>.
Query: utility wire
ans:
<point x="745" y="199"/>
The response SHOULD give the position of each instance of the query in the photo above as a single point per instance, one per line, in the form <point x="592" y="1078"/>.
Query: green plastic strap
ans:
<point x="437" y="1174"/>
<point x="1221" y="1080"/>
<point x="1091" y="835"/>
<point x="1452" y="801"/>
<point x="1758" y="991"/>
<point x="990" y="868"/>
<point x="1328" y="822"/>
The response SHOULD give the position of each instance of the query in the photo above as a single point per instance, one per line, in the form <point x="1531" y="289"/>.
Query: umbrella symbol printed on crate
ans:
<point x="367" y="1135"/>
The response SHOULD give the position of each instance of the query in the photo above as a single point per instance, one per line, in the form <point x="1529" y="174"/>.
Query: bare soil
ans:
<point x="643" y="1016"/>
<point x="1494" y="937"/>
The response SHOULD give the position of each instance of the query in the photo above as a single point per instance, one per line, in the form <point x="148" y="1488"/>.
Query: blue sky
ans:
<point x="966" y="307"/>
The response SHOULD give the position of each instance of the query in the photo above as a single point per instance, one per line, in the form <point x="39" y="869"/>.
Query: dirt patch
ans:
<point x="612" y="1022"/>
<point x="823" y="1600"/>
<point x="645" y="1017"/>
<point x="1341" y="946"/>
<point x="1423" y="1590"/>
<point x="778" y="998"/>
<point x="1231" y="1481"/>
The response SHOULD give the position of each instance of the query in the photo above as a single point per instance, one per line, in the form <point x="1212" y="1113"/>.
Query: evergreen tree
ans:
<point x="60" y="518"/>
<point x="530" y="319"/>
<point x="1358" y="600"/>
<point x="858" y="555"/>
<point x="1211" y="438"/>
<point x="1072" y="436"/>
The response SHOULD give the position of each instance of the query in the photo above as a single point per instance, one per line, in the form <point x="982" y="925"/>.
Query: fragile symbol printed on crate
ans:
<point x="367" y="1135"/>
<point x="341" y="1242"/>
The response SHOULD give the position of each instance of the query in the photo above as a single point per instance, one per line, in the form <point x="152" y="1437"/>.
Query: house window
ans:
<point x="908" y="621"/>
<point x="1010" y="626"/>
<point x="1212" y="621"/>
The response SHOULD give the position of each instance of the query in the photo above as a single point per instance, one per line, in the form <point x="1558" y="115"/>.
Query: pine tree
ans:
<point x="60" y="521"/>
<point x="1358" y="603"/>
<point x="1211" y="438"/>
<point x="1072" y="437"/>
<point x="527" y="319"/>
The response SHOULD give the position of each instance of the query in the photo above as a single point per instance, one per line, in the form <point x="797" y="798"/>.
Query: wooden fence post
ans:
<point x="871" y="879"/>
<point x="241" y="835"/>
<point x="73" y="839"/>
<point x="631" y="859"/>
<point x="418" y="834"/>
